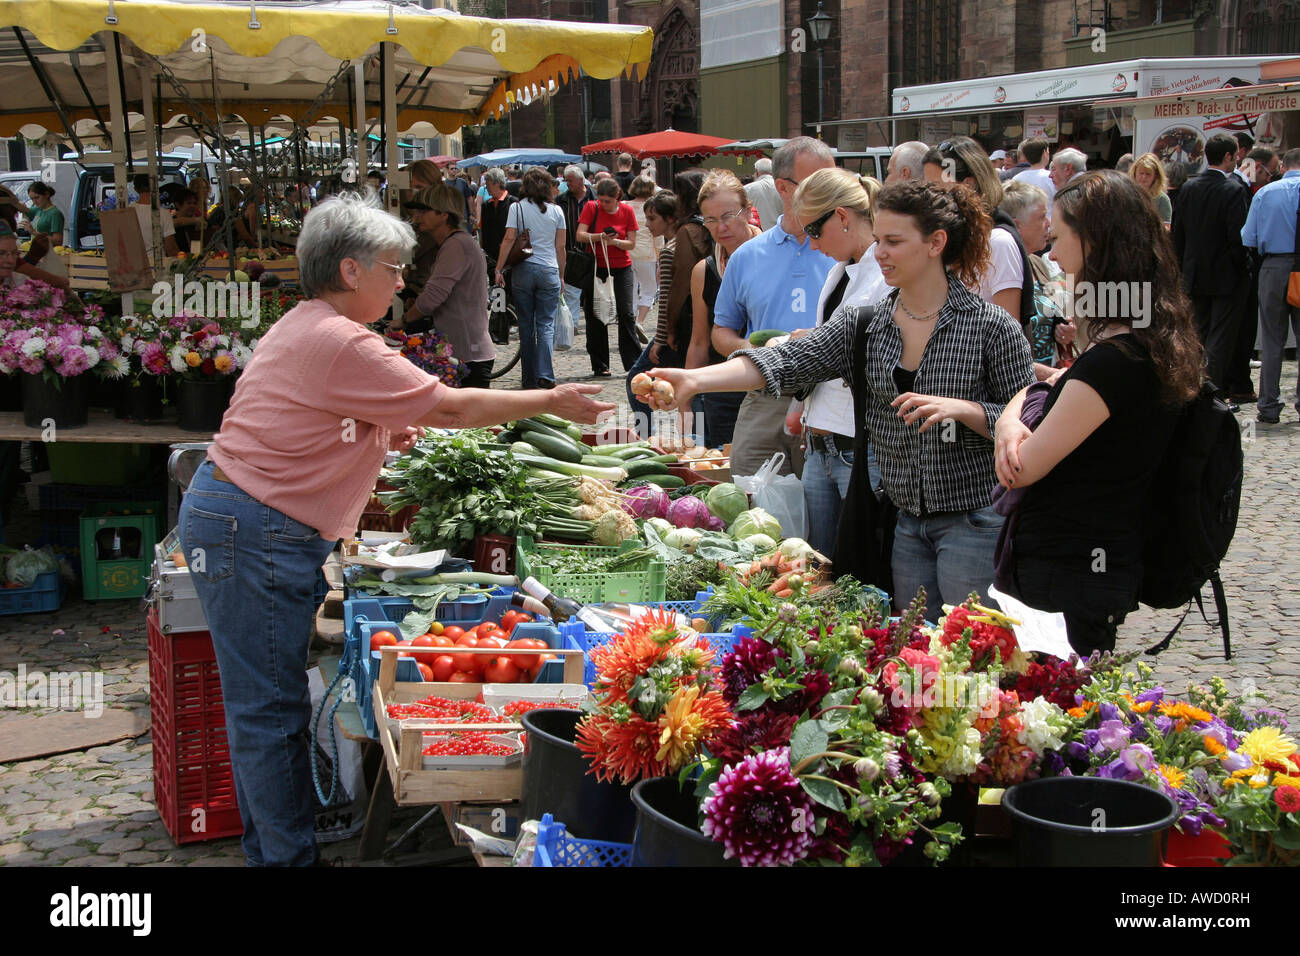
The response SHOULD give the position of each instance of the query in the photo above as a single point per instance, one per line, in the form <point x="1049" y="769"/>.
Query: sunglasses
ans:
<point x="814" y="229"/>
<point x="418" y="207"/>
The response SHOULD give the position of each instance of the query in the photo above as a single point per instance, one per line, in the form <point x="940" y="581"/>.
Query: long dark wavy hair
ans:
<point x="1124" y="240"/>
<point x="957" y="210"/>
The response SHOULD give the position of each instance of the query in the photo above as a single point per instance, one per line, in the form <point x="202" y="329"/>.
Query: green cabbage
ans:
<point x="683" y="539"/>
<point x="726" y="501"/>
<point x="761" y="542"/>
<point x="756" y="521"/>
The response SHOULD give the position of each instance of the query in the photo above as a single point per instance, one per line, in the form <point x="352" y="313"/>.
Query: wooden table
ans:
<point x="102" y="428"/>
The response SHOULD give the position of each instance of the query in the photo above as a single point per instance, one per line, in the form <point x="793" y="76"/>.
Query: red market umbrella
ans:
<point x="662" y="145"/>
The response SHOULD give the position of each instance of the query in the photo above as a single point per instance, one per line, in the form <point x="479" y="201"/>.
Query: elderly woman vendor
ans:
<point x="288" y="474"/>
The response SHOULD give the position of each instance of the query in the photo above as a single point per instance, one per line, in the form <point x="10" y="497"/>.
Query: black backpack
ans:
<point x="1193" y="513"/>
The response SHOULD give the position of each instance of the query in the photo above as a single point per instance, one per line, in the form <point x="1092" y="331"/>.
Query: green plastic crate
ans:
<point x="646" y="585"/>
<point x="103" y="580"/>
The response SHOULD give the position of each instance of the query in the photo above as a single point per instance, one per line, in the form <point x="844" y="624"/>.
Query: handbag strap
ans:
<point x="1295" y="257"/>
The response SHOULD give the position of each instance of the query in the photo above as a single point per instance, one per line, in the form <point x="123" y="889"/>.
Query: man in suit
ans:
<point x="1212" y="209"/>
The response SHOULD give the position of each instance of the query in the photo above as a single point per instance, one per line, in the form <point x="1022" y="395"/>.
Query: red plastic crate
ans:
<point x="376" y="517"/>
<point x="194" y="783"/>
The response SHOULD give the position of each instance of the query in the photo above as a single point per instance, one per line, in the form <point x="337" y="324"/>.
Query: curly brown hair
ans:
<point x="1124" y="240"/>
<point x="957" y="210"/>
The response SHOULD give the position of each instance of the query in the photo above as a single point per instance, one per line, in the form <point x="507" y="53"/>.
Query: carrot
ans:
<point x="798" y="564"/>
<point x="780" y="584"/>
<point x="784" y="594"/>
<point x="817" y="587"/>
<point x="756" y="566"/>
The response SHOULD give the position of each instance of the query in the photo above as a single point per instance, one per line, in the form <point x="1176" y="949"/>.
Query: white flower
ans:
<point x="140" y="346"/>
<point x="178" y="358"/>
<point x="128" y="342"/>
<point x="1044" y="725"/>
<point x="223" y="341"/>
<point x="92" y="332"/>
<point x="92" y="355"/>
<point x="242" y="355"/>
<point x="117" y="368"/>
<point x="34" y="347"/>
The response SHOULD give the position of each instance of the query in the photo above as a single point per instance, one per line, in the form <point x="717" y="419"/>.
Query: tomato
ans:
<point x="405" y="653"/>
<point x="500" y="670"/>
<point x="486" y="628"/>
<point x="526" y="661"/>
<point x="425" y="671"/>
<point x="443" y="667"/>
<point x="469" y="663"/>
<point x="424" y="640"/>
<point x="382" y="639"/>
<point x="436" y="628"/>
<point x="460" y="677"/>
<point x="490" y="640"/>
<point x="453" y="633"/>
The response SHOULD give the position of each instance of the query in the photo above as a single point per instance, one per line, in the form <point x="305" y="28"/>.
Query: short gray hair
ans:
<point x="573" y="171"/>
<point x="495" y="175"/>
<point x="1020" y="197"/>
<point x="911" y="156"/>
<point x="783" y="159"/>
<point x="347" y="226"/>
<point x="1071" y="157"/>
<point x="763" y="167"/>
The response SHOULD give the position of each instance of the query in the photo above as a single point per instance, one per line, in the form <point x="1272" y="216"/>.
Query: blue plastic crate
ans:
<point x="45" y="594"/>
<point x="555" y="847"/>
<point x="579" y="636"/>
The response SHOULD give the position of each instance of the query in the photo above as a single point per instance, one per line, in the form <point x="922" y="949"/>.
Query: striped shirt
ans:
<point x="976" y="352"/>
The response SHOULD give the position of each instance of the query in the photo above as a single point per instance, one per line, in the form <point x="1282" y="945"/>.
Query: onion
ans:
<point x="663" y="391"/>
<point x="642" y="384"/>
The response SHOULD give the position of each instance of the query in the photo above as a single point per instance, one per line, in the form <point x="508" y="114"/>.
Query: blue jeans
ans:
<point x="949" y="554"/>
<point x="720" y="411"/>
<point x="537" y="299"/>
<point x="825" y="485"/>
<point x="254" y="569"/>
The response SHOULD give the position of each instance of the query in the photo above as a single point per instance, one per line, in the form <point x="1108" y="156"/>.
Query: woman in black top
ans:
<point x="931" y="367"/>
<point x="1109" y="417"/>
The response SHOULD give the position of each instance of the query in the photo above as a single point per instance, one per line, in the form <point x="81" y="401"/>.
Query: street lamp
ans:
<point x="819" y="28"/>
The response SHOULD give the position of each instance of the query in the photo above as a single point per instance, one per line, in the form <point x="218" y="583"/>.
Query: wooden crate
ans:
<point x="412" y="784"/>
<point x="89" y="272"/>
<point x="286" y="270"/>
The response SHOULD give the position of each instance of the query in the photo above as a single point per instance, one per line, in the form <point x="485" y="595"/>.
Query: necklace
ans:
<point x="919" y="318"/>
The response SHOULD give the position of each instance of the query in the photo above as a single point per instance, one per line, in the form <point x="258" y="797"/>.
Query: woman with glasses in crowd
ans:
<point x="932" y="366"/>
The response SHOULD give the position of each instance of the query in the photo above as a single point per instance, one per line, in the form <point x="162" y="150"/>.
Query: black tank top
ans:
<point x="712" y="283"/>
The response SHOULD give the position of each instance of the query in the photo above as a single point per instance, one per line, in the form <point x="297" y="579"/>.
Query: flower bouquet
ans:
<point x="204" y="351"/>
<point x="41" y="333"/>
<point x="431" y="352"/>
<point x="655" y="702"/>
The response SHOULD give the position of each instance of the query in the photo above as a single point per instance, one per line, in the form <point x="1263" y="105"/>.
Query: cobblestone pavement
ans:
<point x="96" y="808"/>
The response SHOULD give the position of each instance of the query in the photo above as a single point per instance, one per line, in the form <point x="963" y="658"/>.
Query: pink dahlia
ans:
<point x="759" y="813"/>
<point x="749" y="660"/>
<point x="752" y="732"/>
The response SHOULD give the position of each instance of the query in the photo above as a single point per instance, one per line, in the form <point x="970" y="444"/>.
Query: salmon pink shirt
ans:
<point x="313" y="414"/>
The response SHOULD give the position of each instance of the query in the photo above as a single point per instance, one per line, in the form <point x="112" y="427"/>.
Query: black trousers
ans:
<point x="1218" y="318"/>
<point x="478" y="374"/>
<point x="1238" y="374"/>
<point x="629" y="346"/>
<point x="1094" y="604"/>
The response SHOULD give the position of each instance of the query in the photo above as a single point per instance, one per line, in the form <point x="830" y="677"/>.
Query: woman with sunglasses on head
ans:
<point x="836" y="208"/>
<point x="1108" y="419"/>
<point x="1008" y="280"/>
<point x="454" y="299"/>
<point x="932" y="366"/>
<point x="610" y="227"/>
<point x="725" y="212"/>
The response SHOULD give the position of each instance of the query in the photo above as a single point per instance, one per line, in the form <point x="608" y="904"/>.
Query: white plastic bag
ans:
<point x="347" y="815"/>
<point x="563" y="327"/>
<point x="781" y="496"/>
<point x="603" y="303"/>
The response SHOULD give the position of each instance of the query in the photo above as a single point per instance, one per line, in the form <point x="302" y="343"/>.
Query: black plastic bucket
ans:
<point x="556" y="781"/>
<point x="202" y="405"/>
<point x="65" y="402"/>
<point x="141" y="400"/>
<point x="1088" y="821"/>
<point x="667" y="831"/>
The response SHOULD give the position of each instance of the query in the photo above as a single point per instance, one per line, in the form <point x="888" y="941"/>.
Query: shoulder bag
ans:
<point x="522" y="247"/>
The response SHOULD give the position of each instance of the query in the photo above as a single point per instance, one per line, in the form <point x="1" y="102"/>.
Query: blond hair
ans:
<point x="829" y="189"/>
<point x="721" y="180"/>
<point x="425" y="169"/>
<point x="1151" y="163"/>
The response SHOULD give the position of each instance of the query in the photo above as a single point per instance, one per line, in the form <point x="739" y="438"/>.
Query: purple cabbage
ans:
<point x="689" y="512"/>
<point x="647" y="501"/>
<point x="716" y="524"/>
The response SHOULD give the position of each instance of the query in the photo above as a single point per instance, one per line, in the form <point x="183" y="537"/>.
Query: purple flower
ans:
<point x="1138" y="757"/>
<point x="1154" y="694"/>
<point x="1164" y="724"/>
<point x="1108" y="711"/>
<point x="1090" y="738"/>
<point x="1053" y="764"/>
<point x="893" y="765"/>
<point x="1234" y="761"/>
<point x="1118" y="770"/>
<point x="1113" y="735"/>
<point x="1139" y="732"/>
<point x="1077" y="750"/>
<point x="759" y="812"/>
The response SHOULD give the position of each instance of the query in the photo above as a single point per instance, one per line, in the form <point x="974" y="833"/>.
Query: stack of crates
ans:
<point x="133" y="524"/>
<point x="194" y="783"/>
<point x="62" y="506"/>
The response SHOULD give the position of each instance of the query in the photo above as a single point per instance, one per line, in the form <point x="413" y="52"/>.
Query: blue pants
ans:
<point x="537" y="298"/>
<point x="949" y="554"/>
<point x="254" y="569"/>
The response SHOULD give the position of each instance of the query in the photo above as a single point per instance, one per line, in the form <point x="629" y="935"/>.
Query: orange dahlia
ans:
<point x="625" y="658"/>
<point x="687" y="722"/>
<point x="623" y="750"/>
<point x="1184" y="711"/>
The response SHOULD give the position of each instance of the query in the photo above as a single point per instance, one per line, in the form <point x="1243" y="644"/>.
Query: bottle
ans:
<point x="108" y="544"/>
<point x="561" y="608"/>
<point x="529" y="604"/>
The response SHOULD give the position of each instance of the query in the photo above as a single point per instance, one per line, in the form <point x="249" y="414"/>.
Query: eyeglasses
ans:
<point x="396" y="267"/>
<point x="814" y="229"/>
<point x="789" y="180"/>
<point x="711" y="222"/>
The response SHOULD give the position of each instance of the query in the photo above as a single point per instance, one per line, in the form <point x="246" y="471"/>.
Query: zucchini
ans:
<point x="531" y="427"/>
<point x="524" y="448"/>
<point x="666" y="459"/>
<point x="555" y="421"/>
<point x="760" y="338"/>
<point x="574" y="431"/>
<point x="643" y="469"/>
<point x="551" y="447"/>
<point x="626" y="454"/>
<point x="664" y="481"/>
<point x="602" y="461"/>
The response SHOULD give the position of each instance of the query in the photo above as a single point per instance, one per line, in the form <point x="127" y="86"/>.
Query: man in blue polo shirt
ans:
<point x="772" y="282"/>
<point x="1270" y="229"/>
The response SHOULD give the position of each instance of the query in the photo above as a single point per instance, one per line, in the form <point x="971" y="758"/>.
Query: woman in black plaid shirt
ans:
<point x="939" y="365"/>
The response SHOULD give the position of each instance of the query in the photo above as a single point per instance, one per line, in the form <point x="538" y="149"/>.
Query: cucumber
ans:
<point x="552" y="447"/>
<point x="603" y="461"/>
<point x="574" y="431"/>
<point x="531" y="428"/>
<point x="760" y="338"/>
<point x="643" y="469"/>
<point x="555" y="421"/>
<point x="666" y="459"/>
<point x="664" y="481"/>
<point x="523" y="448"/>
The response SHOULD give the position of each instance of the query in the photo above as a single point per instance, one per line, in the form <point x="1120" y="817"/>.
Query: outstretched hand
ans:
<point x="572" y="401"/>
